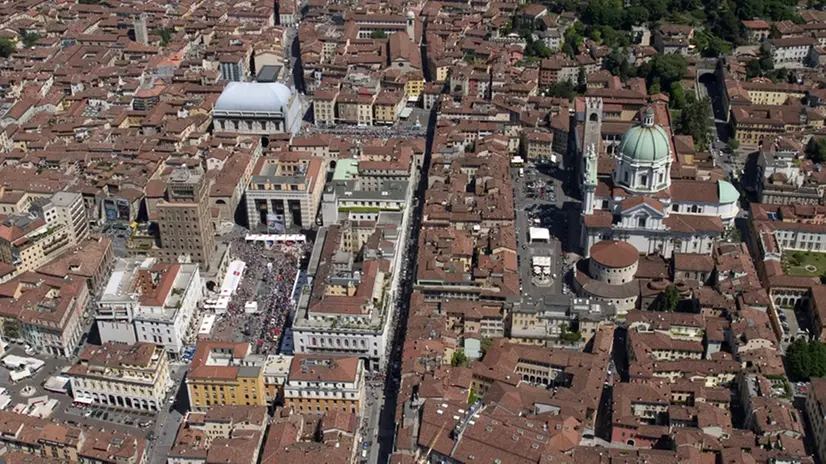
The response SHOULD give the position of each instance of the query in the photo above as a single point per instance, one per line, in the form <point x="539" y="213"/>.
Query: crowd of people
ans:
<point x="397" y="132"/>
<point x="268" y="280"/>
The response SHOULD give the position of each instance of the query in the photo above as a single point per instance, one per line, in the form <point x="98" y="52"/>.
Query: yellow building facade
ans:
<point x="226" y="373"/>
<point x="414" y="87"/>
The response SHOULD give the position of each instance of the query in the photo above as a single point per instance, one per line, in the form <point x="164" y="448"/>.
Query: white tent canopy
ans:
<point x="235" y="272"/>
<point x="541" y="261"/>
<point x="539" y="234"/>
<point x="206" y="324"/>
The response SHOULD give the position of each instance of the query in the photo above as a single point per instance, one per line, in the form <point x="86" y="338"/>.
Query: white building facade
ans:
<point x="67" y="208"/>
<point x="641" y="205"/>
<point x="257" y="108"/>
<point x="170" y="324"/>
<point x="129" y="312"/>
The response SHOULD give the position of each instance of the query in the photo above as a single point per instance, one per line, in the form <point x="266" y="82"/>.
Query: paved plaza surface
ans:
<point x="159" y="427"/>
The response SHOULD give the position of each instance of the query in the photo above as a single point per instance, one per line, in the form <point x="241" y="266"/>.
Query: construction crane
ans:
<point x="423" y="459"/>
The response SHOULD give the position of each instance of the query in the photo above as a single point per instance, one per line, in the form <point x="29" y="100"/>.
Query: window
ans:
<point x="641" y="221"/>
<point x="644" y="180"/>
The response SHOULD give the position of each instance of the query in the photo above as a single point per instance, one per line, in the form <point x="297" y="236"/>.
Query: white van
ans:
<point x="521" y="172"/>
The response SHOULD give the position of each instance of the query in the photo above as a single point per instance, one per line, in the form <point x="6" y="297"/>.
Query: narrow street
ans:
<point x="387" y="419"/>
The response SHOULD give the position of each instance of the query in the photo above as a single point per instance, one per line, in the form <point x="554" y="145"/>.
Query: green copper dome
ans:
<point x="727" y="192"/>
<point x="646" y="142"/>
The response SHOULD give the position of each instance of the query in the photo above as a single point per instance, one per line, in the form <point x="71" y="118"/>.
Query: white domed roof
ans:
<point x="254" y="96"/>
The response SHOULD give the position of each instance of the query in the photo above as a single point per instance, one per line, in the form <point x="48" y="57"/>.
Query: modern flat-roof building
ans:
<point x="144" y="301"/>
<point x="346" y="201"/>
<point x="184" y="218"/>
<point x="276" y="370"/>
<point x="29" y="241"/>
<point x="347" y="311"/>
<point x="67" y="209"/>
<point x="285" y="191"/>
<point x="378" y="179"/>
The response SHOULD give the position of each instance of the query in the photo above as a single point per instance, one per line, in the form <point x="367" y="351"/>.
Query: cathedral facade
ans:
<point x="639" y="203"/>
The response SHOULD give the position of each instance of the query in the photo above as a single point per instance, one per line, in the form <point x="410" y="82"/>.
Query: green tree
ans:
<point x="817" y="356"/>
<point x="562" y="89"/>
<point x="753" y="69"/>
<point x="472" y="397"/>
<point x="670" y="299"/>
<point x="779" y="75"/>
<point x="762" y="66"/>
<point x="603" y="12"/>
<point x="816" y="149"/>
<point x="573" y="39"/>
<point x="715" y="46"/>
<point x="615" y="39"/>
<point x="7" y="47"/>
<point x="657" y="9"/>
<point x="733" y="144"/>
<point x="798" y="359"/>
<point x="727" y="24"/>
<point x="11" y="331"/>
<point x="582" y="80"/>
<point x="636" y="15"/>
<point x="569" y="334"/>
<point x="569" y="49"/>
<point x="485" y="344"/>
<point x="537" y="49"/>
<point x="694" y="119"/>
<point x="378" y="34"/>
<point x="29" y="38"/>
<point x="765" y="60"/>
<point x="617" y="64"/>
<point x="459" y="359"/>
<point x="667" y="69"/>
<point x="165" y="34"/>
<point x="677" y="100"/>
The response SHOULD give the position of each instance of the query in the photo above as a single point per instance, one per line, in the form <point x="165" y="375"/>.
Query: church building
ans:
<point x="257" y="108"/>
<point x="639" y="203"/>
